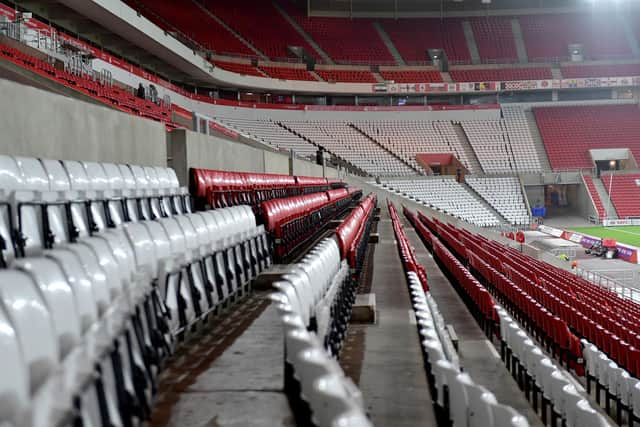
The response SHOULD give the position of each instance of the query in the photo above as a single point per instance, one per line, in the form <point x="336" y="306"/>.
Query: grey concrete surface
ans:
<point x="38" y="123"/>
<point x="393" y="381"/>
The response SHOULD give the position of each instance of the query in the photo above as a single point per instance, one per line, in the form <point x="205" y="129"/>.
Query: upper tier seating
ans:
<point x="348" y="76"/>
<point x="624" y="193"/>
<point x="269" y="132"/>
<point x="107" y="270"/>
<point x="412" y="38"/>
<point x="446" y="195"/>
<point x="244" y="17"/>
<point x="593" y="192"/>
<point x="192" y="21"/>
<point x="500" y="74"/>
<point x="504" y="195"/>
<point x="314" y="301"/>
<point x="346" y="142"/>
<point x="239" y="67"/>
<point x="412" y="76"/>
<point x="288" y="73"/>
<point x="494" y="38"/>
<point x="570" y="132"/>
<point x="490" y="143"/>
<point x="547" y="37"/>
<point x="111" y="95"/>
<point x="618" y="70"/>
<point x="345" y="40"/>
<point x="407" y="138"/>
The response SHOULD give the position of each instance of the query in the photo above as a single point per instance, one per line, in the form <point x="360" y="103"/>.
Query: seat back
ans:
<point x="14" y="381"/>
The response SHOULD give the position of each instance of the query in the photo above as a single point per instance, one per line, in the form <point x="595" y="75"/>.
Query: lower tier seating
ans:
<point x="347" y="76"/>
<point x="504" y="194"/>
<point x="544" y="383"/>
<point x="500" y="74"/>
<point x="456" y="397"/>
<point x="624" y="190"/>
<point x="446" y="195"/>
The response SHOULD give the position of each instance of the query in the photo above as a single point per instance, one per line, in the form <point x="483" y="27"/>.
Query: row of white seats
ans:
<point x="445" y="195"/>
<point x="504" y="194"/>
<point x="463" y="402"/>
<point x="314" y="299"/>
<point x="617" y="384"/>
<point x="86" y="325"/>
<point x="38" y="192"/>
<point x="538" y="374"/>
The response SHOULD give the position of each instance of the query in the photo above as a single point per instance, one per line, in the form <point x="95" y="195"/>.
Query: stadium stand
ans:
<point x="347" y="76"/>
<point x="412" y="38"/>
<point x="624" y="193"/>
<point x="270" y="133"/>
<point x="500" y="74"/>
<point x="547" y="37"/>
<point x="456" y="396"/>
<point x="407" y="138"/>
<point x="341" y="39"/>
<point x="490" y="143"/>
<point x="622" y="70"/>
<point x="288" y="73"/>
<point x="570" y="132"/>
<point x="525" y="156"/>
<point x="114" y="96"/>
<point x="239" y="67"/>
<point x="242" y="17"/>
<point x="205" y="30"/>
<point x="345" y="141"/>
<point x="504" y="195"/>
<point x="593" y="193"/>
<point x="412" y="76"/>
<point x="447" y="195"/>
<point x="494" y="38"/>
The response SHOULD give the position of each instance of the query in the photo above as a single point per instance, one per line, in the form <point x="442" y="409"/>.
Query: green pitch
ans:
<point x="629" y="235"/>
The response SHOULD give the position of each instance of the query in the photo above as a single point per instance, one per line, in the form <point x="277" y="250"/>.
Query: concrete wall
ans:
<point x="37" y="123"/>
<point x="189" y="149"/>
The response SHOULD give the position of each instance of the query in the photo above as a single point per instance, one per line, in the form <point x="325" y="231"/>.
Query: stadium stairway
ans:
<point x="474" y="163"/>
<point x="484" y="203"/>
<point x="604" y="197"/>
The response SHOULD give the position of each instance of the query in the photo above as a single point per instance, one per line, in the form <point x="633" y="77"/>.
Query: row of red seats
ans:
<point x="597" y="314"/>
<point x="522" y="302"/>
<point x="624" y="193"/>
<point x="353" y="232"/>
<point x="569" y="133"/>
<point x="291" y="221"/>
<point x="112" y="95"/>
<point x="220" y="189"/>
<point x="407" y="254"/>
<point x="500" y="74"/>
<point x="595" y="196"/>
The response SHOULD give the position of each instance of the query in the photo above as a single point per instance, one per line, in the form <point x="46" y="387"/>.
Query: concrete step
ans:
<point x="474" y="164"/>
<point x="316" y="76"/>
<point x="471" y="42"/>
<point x="378" y="77"/>
<point x="325" y="58"/>
<point x="387" y="41"/>
<point x="446" y="77"/>
<point x="519" y="40"/>
<point x="537" y="139"/>
<point x="604" y="198"/>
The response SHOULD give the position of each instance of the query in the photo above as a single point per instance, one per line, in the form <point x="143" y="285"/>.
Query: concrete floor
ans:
<point x="478" y="356"/>
<point x="393" y="380"/>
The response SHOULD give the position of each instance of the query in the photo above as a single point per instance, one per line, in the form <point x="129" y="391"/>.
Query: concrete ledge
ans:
<point x="374" y="238"/>
<point x="364" y="309"/>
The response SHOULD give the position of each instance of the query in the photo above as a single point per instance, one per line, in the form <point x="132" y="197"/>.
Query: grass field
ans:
<point x="629" y="235"/>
